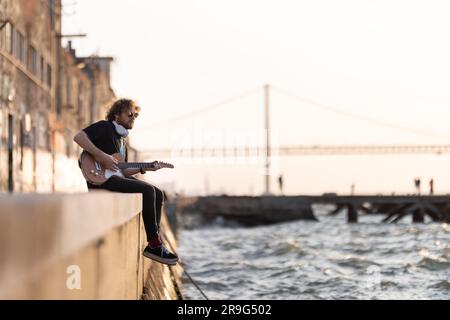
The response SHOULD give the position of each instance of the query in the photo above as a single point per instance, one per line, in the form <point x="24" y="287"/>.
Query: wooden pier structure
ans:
<point x="394" y="208"/>
<point x="252" y="211"/>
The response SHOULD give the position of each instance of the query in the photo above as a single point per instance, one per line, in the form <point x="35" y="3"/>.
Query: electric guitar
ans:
<point x="96" y="174"/>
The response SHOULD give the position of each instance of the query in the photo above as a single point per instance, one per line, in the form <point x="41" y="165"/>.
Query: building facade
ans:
<point x="47" y="94"/>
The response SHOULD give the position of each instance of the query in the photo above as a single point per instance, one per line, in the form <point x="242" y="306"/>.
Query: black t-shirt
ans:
<point x="104" y="136"/>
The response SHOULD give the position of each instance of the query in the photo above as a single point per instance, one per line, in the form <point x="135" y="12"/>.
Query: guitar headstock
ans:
<point x="161" y="164"/>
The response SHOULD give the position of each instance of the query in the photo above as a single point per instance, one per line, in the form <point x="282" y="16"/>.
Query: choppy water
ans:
<point x="326" y="260"/>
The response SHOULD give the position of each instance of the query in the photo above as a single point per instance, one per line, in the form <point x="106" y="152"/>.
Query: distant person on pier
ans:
<point x="107" y="137"/>
<point x="417" y="185"/>
<point x="431" y="186"/>
<point x="280" y="183"/>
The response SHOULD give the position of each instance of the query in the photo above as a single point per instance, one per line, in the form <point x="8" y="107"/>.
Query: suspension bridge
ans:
<point x="255" y="210"/>
<point x="267" y="150"/>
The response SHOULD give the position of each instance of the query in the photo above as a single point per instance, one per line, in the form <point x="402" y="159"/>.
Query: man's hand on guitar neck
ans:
<point x="131" y="172"/>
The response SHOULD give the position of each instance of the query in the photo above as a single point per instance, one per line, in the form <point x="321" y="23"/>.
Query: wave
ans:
<point x="318" y="261"/>
<point x="286" y="247"/>
<point x="434" y="264"/>
<point x="444" y="284"/>
<point x="355" y="262"/>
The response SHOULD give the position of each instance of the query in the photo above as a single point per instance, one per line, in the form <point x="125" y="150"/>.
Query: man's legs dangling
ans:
<point x="151" y="213"/>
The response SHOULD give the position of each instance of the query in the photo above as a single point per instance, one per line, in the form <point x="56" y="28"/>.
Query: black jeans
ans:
<point x="153" y="199"/>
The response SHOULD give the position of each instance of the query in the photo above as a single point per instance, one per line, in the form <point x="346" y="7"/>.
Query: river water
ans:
<point x="329" y="259"/>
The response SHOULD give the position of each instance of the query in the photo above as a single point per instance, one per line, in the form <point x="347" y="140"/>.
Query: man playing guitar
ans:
<point x="101" y="141"/>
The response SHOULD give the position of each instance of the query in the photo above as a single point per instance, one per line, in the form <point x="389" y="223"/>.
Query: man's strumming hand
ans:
<point x="108" y="161"/>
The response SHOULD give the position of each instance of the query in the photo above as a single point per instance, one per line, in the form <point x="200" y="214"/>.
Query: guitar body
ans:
<point x="94" y="172"/>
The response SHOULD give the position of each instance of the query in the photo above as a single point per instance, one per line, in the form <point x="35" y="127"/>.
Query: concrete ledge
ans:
<point x="102" y="233"/>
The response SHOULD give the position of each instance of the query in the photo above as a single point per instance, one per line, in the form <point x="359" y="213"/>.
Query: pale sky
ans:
<point x="388" y="60"/>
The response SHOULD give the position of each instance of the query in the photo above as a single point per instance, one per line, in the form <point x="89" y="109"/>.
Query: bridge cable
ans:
<point x="360" y="117"/>
<point x="201" y="110"/>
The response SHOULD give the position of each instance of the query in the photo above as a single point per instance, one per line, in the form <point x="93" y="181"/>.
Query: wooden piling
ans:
<point x="352" y="214"/>
<point x="418" y="215"/>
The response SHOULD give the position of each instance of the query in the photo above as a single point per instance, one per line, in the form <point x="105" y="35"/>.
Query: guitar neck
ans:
<point x="136" y="165"/>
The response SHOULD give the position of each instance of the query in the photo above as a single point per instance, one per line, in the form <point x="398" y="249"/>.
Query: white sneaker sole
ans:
<point x="170" y="262"/>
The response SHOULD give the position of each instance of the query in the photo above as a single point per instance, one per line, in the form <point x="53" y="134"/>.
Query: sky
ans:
<point x="386" y="60"/>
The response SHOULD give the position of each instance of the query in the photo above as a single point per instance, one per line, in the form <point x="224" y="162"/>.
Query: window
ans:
<point x="17" y="44"/>
<point x="43" y="138"/>
<point x="68" y="89"/>
<point x="49" y="76"/>
<point x="9" y="31"/>
<point x="42" y="69"/>
<point x="33" y="60"/>
<point x="20" y="50"/>
<point x="51" y="13"/>
<point x="1" y="35"/>
<point x="6" y="86"/>
<point x="4" y="124"/>
<point x="22" y="143"/>
<point x="80" y="97"/>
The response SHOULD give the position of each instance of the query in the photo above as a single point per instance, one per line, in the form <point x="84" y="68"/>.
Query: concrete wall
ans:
<point x="42" y="236"/>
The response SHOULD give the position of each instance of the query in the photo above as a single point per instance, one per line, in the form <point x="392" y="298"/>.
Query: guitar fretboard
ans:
<point x="136" y="165"/>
